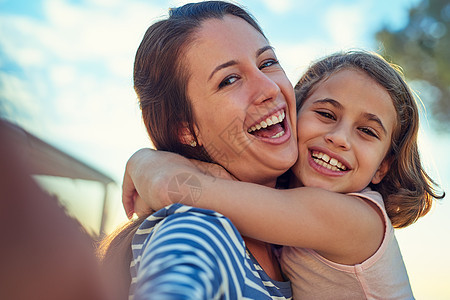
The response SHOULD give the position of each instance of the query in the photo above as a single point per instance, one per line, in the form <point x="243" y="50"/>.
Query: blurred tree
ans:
<point x="422" y="49"/>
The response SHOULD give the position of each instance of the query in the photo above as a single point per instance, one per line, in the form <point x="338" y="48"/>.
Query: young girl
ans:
<point x="358" y="176"/>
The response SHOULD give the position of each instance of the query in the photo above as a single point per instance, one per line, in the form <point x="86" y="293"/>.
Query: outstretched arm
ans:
<point x="342" y="228"/>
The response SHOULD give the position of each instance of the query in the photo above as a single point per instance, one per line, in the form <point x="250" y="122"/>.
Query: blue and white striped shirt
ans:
<point x="181" y="252"/>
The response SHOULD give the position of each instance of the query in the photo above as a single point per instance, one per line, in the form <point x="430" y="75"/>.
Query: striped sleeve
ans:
<point x="188" y="254"/>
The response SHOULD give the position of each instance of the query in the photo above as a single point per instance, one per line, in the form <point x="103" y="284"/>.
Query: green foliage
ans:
<point x="422" y="49"/>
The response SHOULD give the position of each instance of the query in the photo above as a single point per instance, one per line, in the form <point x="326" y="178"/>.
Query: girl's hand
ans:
<point x="142" y="177"/>
<point x="148" y="173"/>
<point x="141" y="208"/>
<point x="129" y="192"/>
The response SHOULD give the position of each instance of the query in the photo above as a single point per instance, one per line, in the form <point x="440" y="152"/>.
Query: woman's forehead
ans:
<point x="219" y="41"/>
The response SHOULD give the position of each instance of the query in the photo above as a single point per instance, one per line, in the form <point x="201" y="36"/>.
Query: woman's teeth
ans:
<point x="272" y="120"/>
<point x="328" y="162"/>
<point x="277" y="135"/>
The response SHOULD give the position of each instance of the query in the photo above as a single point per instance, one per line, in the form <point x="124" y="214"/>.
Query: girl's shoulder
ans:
<point x="372" y="196"/>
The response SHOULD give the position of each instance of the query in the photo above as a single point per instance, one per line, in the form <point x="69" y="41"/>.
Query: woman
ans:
<point x="183" y="70"/>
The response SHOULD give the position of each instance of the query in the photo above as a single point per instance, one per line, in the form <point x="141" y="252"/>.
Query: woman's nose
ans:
<point x="265" y="87"/>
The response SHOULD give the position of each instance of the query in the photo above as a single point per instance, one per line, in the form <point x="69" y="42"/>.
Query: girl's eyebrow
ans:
<point x="233" y="62"/>
<point x="375" y="118"/>
<point x="368" y="116"/>
<point x="329" y="101"/>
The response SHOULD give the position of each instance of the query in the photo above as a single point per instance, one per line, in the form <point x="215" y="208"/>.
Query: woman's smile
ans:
<point x="271" y="128"/>
<point x="243" y="102"/>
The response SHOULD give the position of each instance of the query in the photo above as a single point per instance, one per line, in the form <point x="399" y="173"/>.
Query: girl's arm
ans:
<point x="342" y="228"/>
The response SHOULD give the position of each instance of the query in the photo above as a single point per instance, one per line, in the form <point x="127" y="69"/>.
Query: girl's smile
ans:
<point x="344" y="128"/>
<point x="328" y="163"/>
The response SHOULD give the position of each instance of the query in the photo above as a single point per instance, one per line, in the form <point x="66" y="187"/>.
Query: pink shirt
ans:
<point x="382" y="276"/>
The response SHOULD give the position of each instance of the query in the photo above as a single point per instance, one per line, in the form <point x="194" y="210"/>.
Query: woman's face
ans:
<point x="243" y="103"/>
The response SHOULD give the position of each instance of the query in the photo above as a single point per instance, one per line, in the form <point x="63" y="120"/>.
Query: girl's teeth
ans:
<point x="333" y="162"/>
<point x="328" y="162"/>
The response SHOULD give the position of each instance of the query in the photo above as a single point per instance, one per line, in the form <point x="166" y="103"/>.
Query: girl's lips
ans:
<point x="326" y="164"/>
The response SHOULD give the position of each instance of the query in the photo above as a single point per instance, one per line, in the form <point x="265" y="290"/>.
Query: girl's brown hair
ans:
<point x="407" y="190"/>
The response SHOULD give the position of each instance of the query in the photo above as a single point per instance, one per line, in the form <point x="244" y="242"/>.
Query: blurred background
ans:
<point x="66" y="88"/>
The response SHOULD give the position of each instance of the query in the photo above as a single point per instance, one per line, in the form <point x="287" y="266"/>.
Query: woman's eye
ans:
<point x="268" y="63"/>
<point x="228" y="80"/>
<point x="369" y="132"/>
<point x="326" y="114"/>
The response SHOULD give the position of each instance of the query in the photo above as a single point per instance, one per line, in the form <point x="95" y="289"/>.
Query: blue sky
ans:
<point x="66" y="76"/>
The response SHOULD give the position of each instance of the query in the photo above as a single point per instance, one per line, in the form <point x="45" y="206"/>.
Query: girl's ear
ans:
<point x="382" y="170"/>
<point x="186" y="137"/>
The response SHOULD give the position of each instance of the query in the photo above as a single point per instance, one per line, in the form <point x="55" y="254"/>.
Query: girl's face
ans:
<point x="344" y="129"/>
<point x="237" y="87"/>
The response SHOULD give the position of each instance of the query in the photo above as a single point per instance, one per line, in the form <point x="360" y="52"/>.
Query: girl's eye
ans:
<point x="268" y="63"/>
<point x="369" y="131"/>
<point x="228" y="80"/>
<point x="325" y="114"/>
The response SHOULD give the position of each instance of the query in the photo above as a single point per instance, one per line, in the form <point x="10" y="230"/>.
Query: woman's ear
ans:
<point x="382" y="170"/>
<point x="186" y="137"/>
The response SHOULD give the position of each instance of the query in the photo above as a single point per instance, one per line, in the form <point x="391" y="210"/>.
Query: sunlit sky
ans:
<point x="66" y="76"/>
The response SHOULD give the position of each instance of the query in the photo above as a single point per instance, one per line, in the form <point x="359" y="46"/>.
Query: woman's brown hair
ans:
<point x="160" y="80"/>
<point x="160" y="77"/>
<point x="408" y="191"/>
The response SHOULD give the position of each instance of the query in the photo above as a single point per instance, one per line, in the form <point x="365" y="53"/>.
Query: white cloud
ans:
<point x="279" y="6"/>
<point x="296" y="58"/>
<point x="18" y="102"/>
<point x="346" y="24"/>
<point x="91" y="112"/>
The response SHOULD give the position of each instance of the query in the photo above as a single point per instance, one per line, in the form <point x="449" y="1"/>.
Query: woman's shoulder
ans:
<point x="206" y="242"/>
<point x="192" y="223"/>
<point x="179" y="213"/>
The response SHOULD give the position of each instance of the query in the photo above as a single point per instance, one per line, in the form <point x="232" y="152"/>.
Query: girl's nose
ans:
<point x="339" y="137"/>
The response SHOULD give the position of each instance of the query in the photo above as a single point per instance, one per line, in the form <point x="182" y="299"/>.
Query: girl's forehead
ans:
<point x="354" y="91"/>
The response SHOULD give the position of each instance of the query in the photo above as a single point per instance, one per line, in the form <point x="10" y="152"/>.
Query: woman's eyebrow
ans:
<point x="233" y="62"/>
<point x="263" y="49"/>
<point x="222" y="66"/>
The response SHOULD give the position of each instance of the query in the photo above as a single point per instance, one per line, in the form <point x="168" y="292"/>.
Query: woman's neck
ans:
<point x="263" y="253"/>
